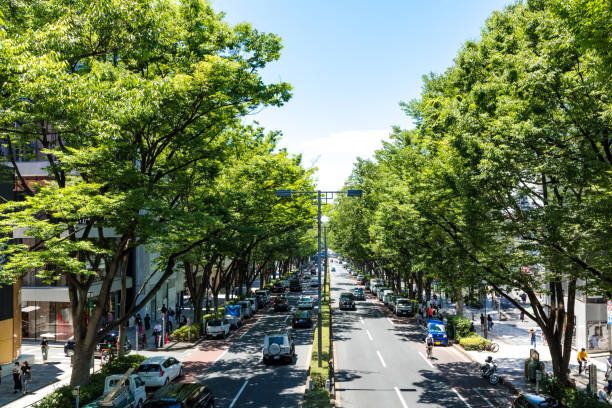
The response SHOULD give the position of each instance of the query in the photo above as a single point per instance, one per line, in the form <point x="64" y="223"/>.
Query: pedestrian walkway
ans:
<point x="512" y="335"/>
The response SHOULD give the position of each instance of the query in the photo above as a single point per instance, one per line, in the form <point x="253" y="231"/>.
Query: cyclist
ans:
<point x="429" y="343"/>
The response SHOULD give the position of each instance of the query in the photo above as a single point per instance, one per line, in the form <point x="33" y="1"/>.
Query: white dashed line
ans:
<point x="381" y="359"/>
<point x="399" y="395"/>
<point x="426" y="359"/>
<point x="361" y="320"/>
<point x="390" y="321"/>
<point x="221" y="356"/>
<point x="369" y="335"/>
<point x="238" y="395"/>
<point x="483" y="397"/>
<point x="461" y="398"/>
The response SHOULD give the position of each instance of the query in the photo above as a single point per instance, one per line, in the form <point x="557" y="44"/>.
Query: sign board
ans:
<point x="609" y="311"/>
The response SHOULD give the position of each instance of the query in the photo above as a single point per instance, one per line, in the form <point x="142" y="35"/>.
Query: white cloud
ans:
<point x="338" y="152"/>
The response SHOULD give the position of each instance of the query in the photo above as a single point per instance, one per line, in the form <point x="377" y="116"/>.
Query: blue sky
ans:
<point x="350" y="64"/>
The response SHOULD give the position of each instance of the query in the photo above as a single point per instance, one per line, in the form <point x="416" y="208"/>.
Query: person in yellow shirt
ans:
<point x="582" y="359"/>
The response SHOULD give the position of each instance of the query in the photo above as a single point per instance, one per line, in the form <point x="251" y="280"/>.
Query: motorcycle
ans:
<point x="489" y="371"/>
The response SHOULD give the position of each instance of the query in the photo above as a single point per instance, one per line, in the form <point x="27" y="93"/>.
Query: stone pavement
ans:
<point x="512" y="335"/>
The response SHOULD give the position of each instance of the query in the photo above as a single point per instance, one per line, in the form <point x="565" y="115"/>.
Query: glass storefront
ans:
<point x="50" y="318"/>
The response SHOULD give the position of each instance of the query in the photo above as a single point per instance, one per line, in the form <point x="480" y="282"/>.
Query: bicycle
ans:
<point x="484" y="346"/>
<point x="429" y="350"/>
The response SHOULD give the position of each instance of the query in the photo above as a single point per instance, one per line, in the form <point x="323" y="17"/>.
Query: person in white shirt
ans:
<point x="604" y="395"/>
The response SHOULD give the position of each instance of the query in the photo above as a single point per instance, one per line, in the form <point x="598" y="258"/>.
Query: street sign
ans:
<point x="609" y="311"/>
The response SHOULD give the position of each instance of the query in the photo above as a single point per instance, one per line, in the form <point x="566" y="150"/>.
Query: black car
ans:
<point x="295" y="285"/>
<point x="179" y="395"/>
<point x="278" y="287"/>
<point x="281" y="303"/>
<point x="261" y="301"/>
<point x="302" y="318"/>
<point x="111" y="338"/>
<point x="347" y="301"/>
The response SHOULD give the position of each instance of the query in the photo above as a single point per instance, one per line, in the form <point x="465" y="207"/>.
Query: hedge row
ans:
<point x="570" y="396"/>
<point x="62" y="397"/>
<point x="473" y="341"/>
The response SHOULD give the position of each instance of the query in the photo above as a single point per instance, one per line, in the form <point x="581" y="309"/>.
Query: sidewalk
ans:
<point x="513" y="338"/>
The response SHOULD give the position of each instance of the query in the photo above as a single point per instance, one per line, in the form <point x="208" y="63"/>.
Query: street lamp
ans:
<point x="327" y="196"/>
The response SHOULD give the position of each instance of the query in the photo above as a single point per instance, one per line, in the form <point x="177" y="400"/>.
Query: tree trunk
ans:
<point x="459" y="295"/>
<point x="122" y="306"/>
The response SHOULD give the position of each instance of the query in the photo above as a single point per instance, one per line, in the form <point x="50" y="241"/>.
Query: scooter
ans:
<point x="489" y="371"/>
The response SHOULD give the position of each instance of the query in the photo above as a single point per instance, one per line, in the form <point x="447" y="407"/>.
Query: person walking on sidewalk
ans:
<point x="522" y="315"/>
<point x="609" y="371"/>
<point x="26" y="377"/>
<point x="44" y="348"/>
<point x="147" y="321"/>
<point x="482" y="321"/>
<point x="489" y="323"/>
<point x="532" y="338"/>
<point x="582" y="359"/>
<point x="16" y="377"/>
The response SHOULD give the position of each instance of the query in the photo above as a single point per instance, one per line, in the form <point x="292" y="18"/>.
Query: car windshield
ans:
<point x="148" y="368"/>
<point x="215" y="322"/>
<point x="403" y="302"/>
<point x="275" y="340"/>
<point x="305" y="299"/>
<point x="433" y="327"/>
<point x="347" y="296"/>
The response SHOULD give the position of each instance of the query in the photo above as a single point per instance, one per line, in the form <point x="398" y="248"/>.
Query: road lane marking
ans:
<point x="426" y="359"/>
<point x="483" y="397"/>
<point x="238" y="395"/>
<point x="461" y="398"/>
<point x="221" y="355"/>
<point x="390" y="321"/>
<point x="369" y="335"/>
<point x="381" y="359"/>
<point x="399" y="395"/>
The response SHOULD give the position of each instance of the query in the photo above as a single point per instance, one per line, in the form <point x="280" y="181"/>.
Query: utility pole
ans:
<point x="327" y="196"/>
<point x="326" y="263"/>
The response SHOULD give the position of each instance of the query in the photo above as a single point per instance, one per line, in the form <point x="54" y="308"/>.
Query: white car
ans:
<point x="159" y="371"/>
<point x="217" y="328"/>
<point x="305" y="302"/>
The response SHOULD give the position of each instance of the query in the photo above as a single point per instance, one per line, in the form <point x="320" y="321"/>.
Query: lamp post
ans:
<point x="327" y="196"/>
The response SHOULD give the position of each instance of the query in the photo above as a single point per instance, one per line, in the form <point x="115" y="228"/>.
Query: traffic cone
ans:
<point x="166" y="339"/>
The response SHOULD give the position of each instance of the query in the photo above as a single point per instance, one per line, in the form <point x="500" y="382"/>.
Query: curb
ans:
<point x="511" y="387"/>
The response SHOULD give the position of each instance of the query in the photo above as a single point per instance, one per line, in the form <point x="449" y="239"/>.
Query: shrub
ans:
<point x="62" y="397"/>
<point x="472" y="342"/>
<point x="461" y="325"/>
<point x="121" y="364"/>
<point x="182" y="333"/>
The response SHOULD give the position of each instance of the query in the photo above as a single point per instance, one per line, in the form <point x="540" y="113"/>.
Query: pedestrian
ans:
<point x="524" y="297"/>
<point x="26" y="377"/>
<point x="16" y="377"/>
<point x="609" y="371"/>
<point x="164" y="309"/>
<point x="489" y="322"/>
<point x="138" y="319"/>
<point x="44" y="348"/>
<point x="157" y="333"/>
<point x="147" y="321"/>
<point x="532" y="338"/>
<point x="522" y="315"/>
<point x="183" y="321"/>
<point x="169" y="325"/>
<point x="472" y="328"/>
<point x="482" y="321"/>
<point x="582" y="359"/>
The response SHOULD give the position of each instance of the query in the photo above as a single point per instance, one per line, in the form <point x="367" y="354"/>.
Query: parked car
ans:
<point x="404" y="307"/>
<point x="111" y="338"/>
<point x="217" y="328"/>
<point x="367" y="285"/>
<point x="264" y="293"/>
<point x="261" y="301"/>
<point x="278" y="345"/>
<point x="438" y="331"/>
<point x="391" y="303"/>
<point x="358" y="294"/>
<point x="245" y="305"/>
<point x="129" y="394"/>
<point x="387" y="297"/>
<point x="314" y="283"/>
<point x="381" y="292"/>
<point x="360" y="278"/>
<point x="234" y="321"/>
<point x="160" y="370"/>
<point x="302" y="318"/>
<point x="305" y="302"/>
<point x="281" y="303"/>
<point x="254" y="304"/>
<point x="536" y="401"/>
<point x="181" y="395"/>
<point x="346" y="301"/>
<point x="333" y="269"/>
<point x="295" y="285"/>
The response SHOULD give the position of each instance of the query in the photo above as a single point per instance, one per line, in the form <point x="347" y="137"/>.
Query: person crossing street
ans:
<point x="582" y="360"/>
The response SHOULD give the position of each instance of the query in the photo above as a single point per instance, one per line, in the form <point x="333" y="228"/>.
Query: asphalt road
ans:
<point x="382" y="363"/>
<point x="240" y="379"/>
